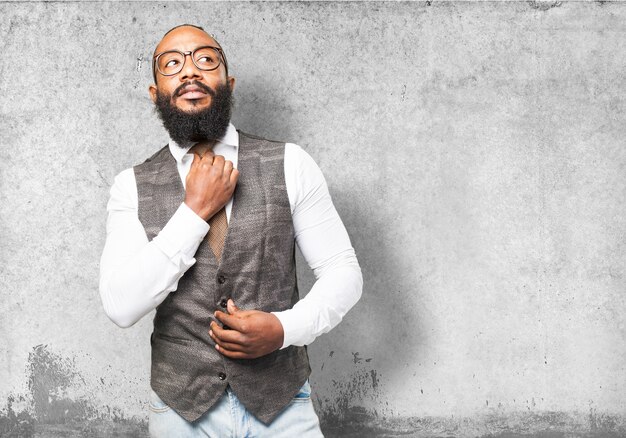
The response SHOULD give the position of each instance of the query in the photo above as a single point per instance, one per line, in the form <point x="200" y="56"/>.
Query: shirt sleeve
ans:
<point x="137" y="275"/>
<point x="325" y="245"/>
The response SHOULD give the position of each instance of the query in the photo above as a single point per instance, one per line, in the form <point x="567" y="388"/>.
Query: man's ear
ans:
<point x="153" y="93"/>
<point x="231" y="83"/>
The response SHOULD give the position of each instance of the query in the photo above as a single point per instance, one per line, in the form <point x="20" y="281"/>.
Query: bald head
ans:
<point x="181" y="36"/>
<point x="188" y="25"/>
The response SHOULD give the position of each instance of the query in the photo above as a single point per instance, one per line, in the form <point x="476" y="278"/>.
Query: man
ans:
<point x="205" y="232"/>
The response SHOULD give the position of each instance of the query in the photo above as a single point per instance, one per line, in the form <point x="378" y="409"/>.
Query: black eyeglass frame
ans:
<point x="222" y="60"/>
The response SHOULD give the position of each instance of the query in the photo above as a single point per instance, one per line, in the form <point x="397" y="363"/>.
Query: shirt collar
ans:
<point x="231" y="138"/>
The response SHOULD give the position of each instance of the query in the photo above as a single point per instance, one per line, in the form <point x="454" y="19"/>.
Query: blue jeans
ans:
<point x="228" y="418"/>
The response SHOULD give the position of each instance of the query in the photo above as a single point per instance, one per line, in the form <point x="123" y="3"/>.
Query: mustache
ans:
<point x="208" y="90"/>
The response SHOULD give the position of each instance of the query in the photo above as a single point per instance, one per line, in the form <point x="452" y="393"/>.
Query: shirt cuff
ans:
<point x="182" y="233"/>
<point x="296" y="326"/>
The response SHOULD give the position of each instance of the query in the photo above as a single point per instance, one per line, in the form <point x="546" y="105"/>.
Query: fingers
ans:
<point x="227" y="345"/>
<point x="210" y="183"/>
<point x="206" y="158"/>
<point x="231" y="306"/>
<point x="221" y="163"/>
<point x="229" y="349"/>
<point x="228" y="166"/>
<point x="230" y="336"/>
<point x="229" y="320"/>
<point x="218" y="161"/>
<point x="234" y="176"/>
<point x="209" y="158"/>
<point x="230" y="173"/>
<point x="234" y="354"/>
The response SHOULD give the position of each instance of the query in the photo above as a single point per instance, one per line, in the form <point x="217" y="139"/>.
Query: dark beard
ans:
<point x="209" y="124"/>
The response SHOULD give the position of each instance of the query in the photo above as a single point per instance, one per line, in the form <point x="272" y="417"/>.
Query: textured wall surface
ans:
<point x="475" y="151"/>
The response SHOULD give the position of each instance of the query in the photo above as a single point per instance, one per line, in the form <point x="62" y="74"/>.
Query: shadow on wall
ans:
<point x="53" y="406"/>
<point x="384" y="321"/>
<point x="257" y="103"/>
<point x="380" y="316"/>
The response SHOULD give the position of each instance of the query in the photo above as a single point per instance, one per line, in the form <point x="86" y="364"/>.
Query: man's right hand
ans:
<point x="210" y="184"/>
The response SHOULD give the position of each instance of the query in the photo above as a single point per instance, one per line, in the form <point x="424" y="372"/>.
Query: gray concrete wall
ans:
<point x="474" y="150"/>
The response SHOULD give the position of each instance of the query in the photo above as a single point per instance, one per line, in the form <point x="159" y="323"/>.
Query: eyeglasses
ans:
<point x="205" y="58"/>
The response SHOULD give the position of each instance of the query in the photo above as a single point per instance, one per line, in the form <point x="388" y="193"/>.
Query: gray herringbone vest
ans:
<point x="257" y="270"/>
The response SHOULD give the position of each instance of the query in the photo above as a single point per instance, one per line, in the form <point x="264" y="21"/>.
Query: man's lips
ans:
<point x="193" y="95"/>
<point x="191" y="92"/>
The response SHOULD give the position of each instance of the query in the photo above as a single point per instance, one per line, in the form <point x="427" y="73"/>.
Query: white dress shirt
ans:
<point x="137" y="275"/>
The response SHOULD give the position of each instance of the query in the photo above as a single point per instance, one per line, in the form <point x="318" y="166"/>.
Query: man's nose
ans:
<point x="189" y="69"/>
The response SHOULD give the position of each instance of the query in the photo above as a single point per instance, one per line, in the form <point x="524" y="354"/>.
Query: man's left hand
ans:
<point x="251" y="333"/>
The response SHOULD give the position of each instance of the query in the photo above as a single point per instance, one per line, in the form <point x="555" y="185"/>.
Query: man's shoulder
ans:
<point x="159" y="156"/>
<point x="259" y="138"/>
<point x="292" y="151"/>
<point x="161" y="153"/>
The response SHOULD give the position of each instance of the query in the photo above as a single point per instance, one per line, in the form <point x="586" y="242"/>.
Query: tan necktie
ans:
<point x="217" y="233"/>
<point x="218" y="223"/>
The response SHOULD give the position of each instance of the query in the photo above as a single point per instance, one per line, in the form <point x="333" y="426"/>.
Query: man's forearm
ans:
<point x="334" y="293"/>
<point x="137" y="275"/>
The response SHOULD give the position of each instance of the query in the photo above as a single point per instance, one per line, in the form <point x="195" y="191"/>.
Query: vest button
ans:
<point x="221" y="279"/>
<point x="222" y="376"/>
<point x="223" y="303"/>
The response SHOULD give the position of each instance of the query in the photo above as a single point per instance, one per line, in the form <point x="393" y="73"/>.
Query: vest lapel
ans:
<point x="168" y="185"/>
<point x="247" y="160"/>
<point x="161" y="191"/>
